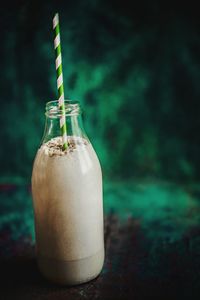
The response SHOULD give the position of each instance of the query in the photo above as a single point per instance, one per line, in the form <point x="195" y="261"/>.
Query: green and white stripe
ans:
<point x="60" y="86"/>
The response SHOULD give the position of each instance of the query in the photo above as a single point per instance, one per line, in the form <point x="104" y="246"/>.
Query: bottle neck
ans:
<point x="73" y="120"/>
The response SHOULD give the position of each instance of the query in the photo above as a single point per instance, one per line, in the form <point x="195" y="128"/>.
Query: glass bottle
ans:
<point x="67" y="201"/>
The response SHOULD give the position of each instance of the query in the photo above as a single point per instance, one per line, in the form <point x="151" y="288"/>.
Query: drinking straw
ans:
<point x="60" y="86"/>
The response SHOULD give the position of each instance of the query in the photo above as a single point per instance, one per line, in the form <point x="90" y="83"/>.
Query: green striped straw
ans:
<point x="60" y="86"/>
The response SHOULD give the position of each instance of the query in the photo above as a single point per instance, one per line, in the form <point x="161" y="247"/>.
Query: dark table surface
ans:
<point x="152" y="240"/>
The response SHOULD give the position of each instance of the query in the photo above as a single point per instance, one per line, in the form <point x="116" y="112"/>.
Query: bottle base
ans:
<point x="71" y="272"/>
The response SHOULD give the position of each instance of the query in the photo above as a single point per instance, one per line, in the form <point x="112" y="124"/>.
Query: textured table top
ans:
<point x="152" y="239"/>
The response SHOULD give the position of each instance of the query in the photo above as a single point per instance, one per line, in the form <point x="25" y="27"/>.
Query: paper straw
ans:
<point x="60" y="86"/>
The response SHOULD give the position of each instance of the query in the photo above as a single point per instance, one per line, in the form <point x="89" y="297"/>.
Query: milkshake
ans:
<point x="68" y="210"/>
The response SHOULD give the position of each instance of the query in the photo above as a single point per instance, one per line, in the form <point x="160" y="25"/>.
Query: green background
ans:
<point x="135" y="68"/>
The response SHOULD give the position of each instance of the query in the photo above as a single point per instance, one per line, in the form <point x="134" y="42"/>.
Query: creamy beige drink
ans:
<point x="67" y="199"/>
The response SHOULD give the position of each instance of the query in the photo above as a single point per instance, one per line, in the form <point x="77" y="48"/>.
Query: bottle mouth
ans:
<point x="72" y="108"/>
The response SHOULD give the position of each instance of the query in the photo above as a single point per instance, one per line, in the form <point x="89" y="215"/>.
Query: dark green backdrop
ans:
<point x="135" y="70"/>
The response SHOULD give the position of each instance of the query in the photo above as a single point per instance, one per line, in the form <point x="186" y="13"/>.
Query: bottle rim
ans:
<point x="72" y="108"/>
